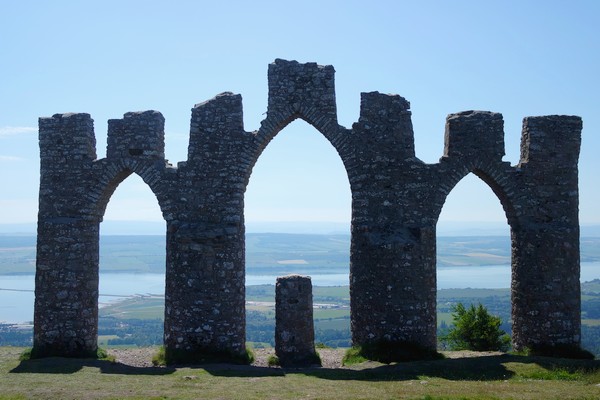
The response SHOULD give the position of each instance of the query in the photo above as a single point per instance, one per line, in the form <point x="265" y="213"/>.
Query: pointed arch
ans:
<point x="112" y="173"/>
<point x="497" y="176"/>
<point x="324" y="123"/>
<point x="300" y="134"/>
<point x="477" y="196"/>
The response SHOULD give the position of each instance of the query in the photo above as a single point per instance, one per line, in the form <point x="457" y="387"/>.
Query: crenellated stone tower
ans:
<point x="396" y="201"/>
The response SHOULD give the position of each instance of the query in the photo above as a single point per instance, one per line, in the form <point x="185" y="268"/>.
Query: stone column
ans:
<point x="66" y="281"/>
<point x="204" y="295"/>
<point x="392" y="255"/>
<point x="546" y="297"/>
<point x="294" y="326"/>
<point x="205" y="314"/>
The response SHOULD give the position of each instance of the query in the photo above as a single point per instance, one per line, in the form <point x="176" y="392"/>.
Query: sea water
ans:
<point x="17" y="292"/>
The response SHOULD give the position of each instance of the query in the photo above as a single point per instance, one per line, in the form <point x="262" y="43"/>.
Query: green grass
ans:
<point x="324" y="313"/>
<point x="450" y="294"/>
<point x="558" y="374"/>
<point x="590" y="322"/>
<point x="335" y="324"/>
<point x="487" y="377"/>
<point x="136" y="308"/>
<point x="103" y="339"/>
<point x="259" y="345"/>
<point x="322" y="293"/>
<point x="159" y="358"/>
<point x="354" y="356"/>
<point x="273" y="361"/>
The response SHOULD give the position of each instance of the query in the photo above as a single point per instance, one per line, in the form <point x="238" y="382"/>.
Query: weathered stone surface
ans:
<point x="396" y="201"/>
<point x="294" y="326"/>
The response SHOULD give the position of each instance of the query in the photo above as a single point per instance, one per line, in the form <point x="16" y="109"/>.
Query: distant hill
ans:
<point x="444" y="228"/>
<point x="270" y="253"/>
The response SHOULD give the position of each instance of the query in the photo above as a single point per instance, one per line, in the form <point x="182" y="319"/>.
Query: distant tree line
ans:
<point x="13" y="336"/>
<point x="132" y="332"/>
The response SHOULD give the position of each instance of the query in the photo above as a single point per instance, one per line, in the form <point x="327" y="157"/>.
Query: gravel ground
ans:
<point x="135" y="357"/>
<point x="330" y="358"/>
<point x="142" y="356"/>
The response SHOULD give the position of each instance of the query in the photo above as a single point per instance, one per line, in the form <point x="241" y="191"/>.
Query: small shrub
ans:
<point x="322" y="345"/>
<point x="273" y="360"/>
<point x="353" y="356"/>
<point x="159" y="359"/>
<point x="26" y="355"/>
<point x="250" y="356"/>
<point x="476" y="329"/>
<point x="102" y="354"/>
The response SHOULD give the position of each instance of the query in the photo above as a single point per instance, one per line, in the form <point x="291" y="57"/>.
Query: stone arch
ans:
<point x="271" y="127"/>
<point x="324" y="138"/>
<point x="494" y="175"/>
<point x="396" y="199"/>
<point x="497" y="192"/>
<point x="114" y="172"/>
<point x="301" y="91"/>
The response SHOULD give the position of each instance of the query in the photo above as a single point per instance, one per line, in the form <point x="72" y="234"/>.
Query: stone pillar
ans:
<point x="204" y="295"/>
<point x="294" y="326"/>
<point x="546" y="297"/>
<point x="205" y="316"/>
<point x="392" y="256"/>
<point x="66" y="281"/>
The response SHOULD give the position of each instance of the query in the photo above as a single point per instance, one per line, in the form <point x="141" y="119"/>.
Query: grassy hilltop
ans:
<point x="490" y="376"/>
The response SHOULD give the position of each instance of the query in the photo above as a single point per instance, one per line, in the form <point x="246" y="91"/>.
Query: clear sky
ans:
<point x="519" y="58"/>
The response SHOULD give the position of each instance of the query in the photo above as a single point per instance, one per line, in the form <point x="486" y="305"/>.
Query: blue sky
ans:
<point x="519" y="58"/>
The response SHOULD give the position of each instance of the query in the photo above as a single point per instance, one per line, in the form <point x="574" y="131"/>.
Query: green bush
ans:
<point x="26" y="355"/>
<point x="273" y="361"/>
<point x="159" y="359"/>
<point x="476" y="329"/>
<point x="102" y="354"/>
<point x="353" y="356"/>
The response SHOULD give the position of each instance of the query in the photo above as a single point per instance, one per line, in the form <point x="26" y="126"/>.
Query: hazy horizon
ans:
<point x="444" y="228"/>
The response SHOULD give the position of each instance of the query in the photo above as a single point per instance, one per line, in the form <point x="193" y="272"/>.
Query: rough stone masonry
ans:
<point x="396" y="201"/>
<point x="294" y="325"/>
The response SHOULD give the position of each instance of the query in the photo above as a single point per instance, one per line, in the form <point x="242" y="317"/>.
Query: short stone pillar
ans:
<point x="294" y="326"/>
